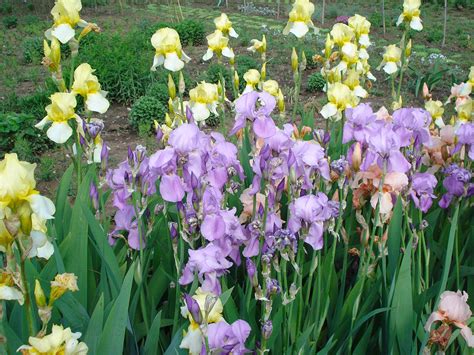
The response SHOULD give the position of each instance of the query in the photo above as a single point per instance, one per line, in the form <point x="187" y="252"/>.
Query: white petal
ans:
<point x="42" y="206"/>
<point x="232" y="33"/>
<point x="200" y="112"/>
<point x="172" y="62"/>
<point x="364" y="40"/>
<point x="213" y="108"/>
<point x="42" y="123"/>
<point x="208" y="54"/>
<point x="64" y="33"/>
<point x="227" y="52"/>
<point x="360" y="91"/>
<point x="370" y="76"/>
<point x="192" y="341"/>
<point x="328" y="110"/>
<point x="41" y="247"/>
<point x="59" y="132"/>
<point x="363" y="54"/>
<point x="439" y="122"/>
<point x="390" y="68"/>
<point x="11" y="294"/>
<point x="97" y="103"/>
<point x="349" y="50"/>
<point x="157" y="61"/>
<point x="185" y="57"/>
<point x="400" y="19"/>
<point x="299" y="29"/>
<point x="97" y="153"/>
<point x="416" y="24"/>
<point x="48" y="35"/>
<point x="248" y="88"/>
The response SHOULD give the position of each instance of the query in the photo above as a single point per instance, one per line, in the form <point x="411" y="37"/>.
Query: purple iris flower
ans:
<point x="412" y="125"/>
<point x="384" y="148"/>
<point x="310" y="158"/>
<point x="209" y="262"/>
<point x="193" y="308"/>
<point x="422" y="187"/>
<point x="457" y="184"/>
<point x="465" y="134"/>
<point x="256" y="107"/>
<point x="125" y="220"/>
<point x="358" y="119"/>
<point x="309" y="213"/>
<point x="224" y="338"/>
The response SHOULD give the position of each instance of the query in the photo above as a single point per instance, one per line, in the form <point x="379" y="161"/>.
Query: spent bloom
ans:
<point x="168" y="50"/>
<point x="203" y="100"/>
<point x="87" y="85"/>
<point x="258" y="46"/>
<point x="224" y="25"/>
<point x="453" y="309"/>
<point x="299" y="21"/>
<point x="9" y="290"/>
<point x="59" y="112"/>
<point x="52" y="54"/>
<point x="23" y="211"/>
<point x="218" y="44"/>
<point x="391" y="59"/>
<point x="66" y="17"/>
<point x="61" y="284"/>
<point x="60" y="341"/>
<point x="411" y="14"/>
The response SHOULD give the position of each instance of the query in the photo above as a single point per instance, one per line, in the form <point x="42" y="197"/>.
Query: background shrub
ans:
<point x="191" y="32"/>
<point x="159" y="90"/>
<point x="144" y="111"/>
<point x="18" y="134"/>
<point x="33" y="50"/>
<point x="10" y="21"/>
<point x="316" y="82"/>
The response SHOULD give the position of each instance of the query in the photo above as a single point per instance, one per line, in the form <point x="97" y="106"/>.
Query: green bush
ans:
<point x="214" y="71"/>
<point x="159" y="90"/>
<point x="213" y="121"/>
<point x="46" y="168"/>
<point x="18" y="133"/>
<point x="144" y="111"/>
<point x="316" y="82"/>
<point x="10" y="21"/>
<point x="121" y="63"/>
<point x="434" y="35"/>
<point x="376" y="19"/>
<point x="191" y="32"/>
<point x="33" y="50"/>
<point x="6" y="8"/>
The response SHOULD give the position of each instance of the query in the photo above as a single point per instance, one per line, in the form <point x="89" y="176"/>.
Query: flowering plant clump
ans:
<point x="270" y="235"/>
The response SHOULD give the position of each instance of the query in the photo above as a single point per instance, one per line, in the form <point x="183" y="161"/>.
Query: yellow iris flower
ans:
<point x="22" y="208"/>
<point x="218" y="43"/>
<point x="258" y="46"/>
<point x="411" y="14"/>
<point x="340" y="97"/>
<point x="361" y="27"/>
<point x="252" y="78"/>
<point x="60" y="341"/>
<point x="224" y="25"/>
<point x="342" y="34"/>
<point x="353" y="82"/>
<point x="87" y="85"/>
<point x="59" y="112"/>
<point x="203" y="100"/>
<point x="168" y="50"/>
<point x="299" y="21"/>
<point x="436" y="109"/>
<point x="66" y="17"/>
<point x="272" y="87"/>
<point x="391" y="59"/>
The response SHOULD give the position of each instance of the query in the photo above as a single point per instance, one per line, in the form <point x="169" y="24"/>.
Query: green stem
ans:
<point x="29" y="310"/>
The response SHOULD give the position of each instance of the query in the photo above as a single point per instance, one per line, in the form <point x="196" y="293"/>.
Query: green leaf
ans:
<point x="63" y="208"/>
<point x="402" y="314"/>
<point x="112" y="339"/>
<point x="153" y="336"/>
<point x="96" y="323"/>
<point x="394" y="239"/>
<point x="174" y="348"/>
